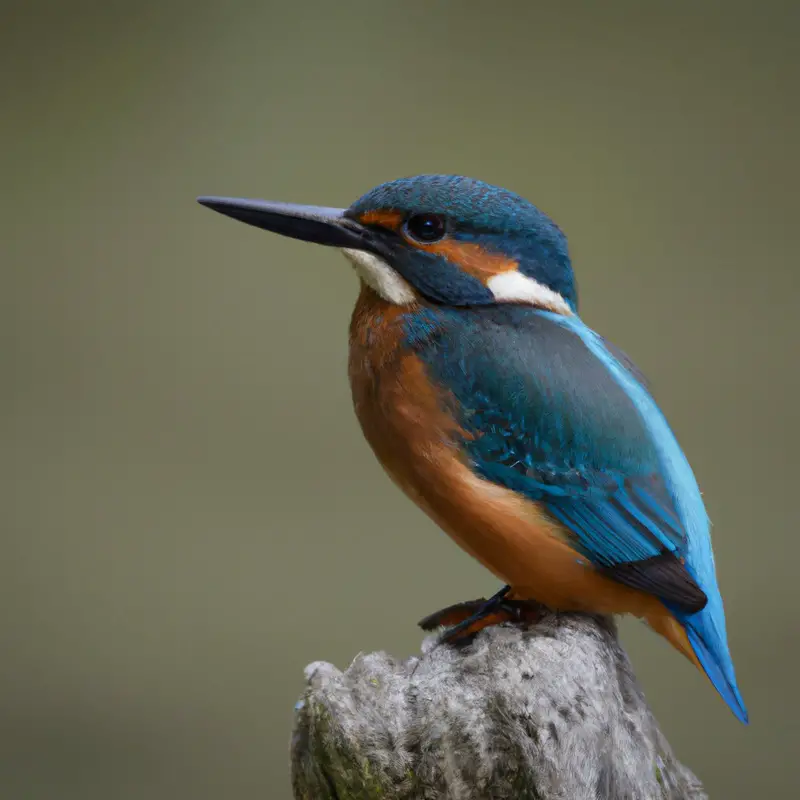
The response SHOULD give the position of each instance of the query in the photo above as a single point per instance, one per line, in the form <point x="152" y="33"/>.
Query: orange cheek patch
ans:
<point x="386" y="219"/>
<point x="471" y="257"/>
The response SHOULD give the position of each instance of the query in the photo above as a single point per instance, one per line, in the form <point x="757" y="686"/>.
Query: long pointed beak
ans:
<point x="326" y="226"/>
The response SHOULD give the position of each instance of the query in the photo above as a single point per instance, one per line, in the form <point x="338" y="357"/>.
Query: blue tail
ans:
<point x="706" y="631"/>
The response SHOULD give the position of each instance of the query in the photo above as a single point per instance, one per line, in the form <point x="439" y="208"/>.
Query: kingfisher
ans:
<point x="530" y="439"/>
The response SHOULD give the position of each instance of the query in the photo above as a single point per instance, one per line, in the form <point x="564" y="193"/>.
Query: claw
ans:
<point x="452" y="615"/>
<point x="467" y="619"/>
<point x="475" y="624"/>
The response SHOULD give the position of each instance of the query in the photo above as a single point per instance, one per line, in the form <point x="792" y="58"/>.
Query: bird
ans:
<point x="529" y="438"/>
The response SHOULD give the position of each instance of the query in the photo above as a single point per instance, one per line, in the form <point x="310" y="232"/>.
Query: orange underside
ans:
<point x="403" y="419"/>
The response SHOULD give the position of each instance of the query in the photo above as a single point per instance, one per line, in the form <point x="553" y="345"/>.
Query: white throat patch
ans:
<point x="378" y="275"/>
<point x="514" y="287"/>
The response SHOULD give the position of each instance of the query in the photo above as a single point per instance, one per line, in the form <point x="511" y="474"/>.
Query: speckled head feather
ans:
<point x="468" y="201"/>
<point x="491" y="233"/>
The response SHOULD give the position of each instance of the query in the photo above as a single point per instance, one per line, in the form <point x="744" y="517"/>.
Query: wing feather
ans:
<point x="546" y="418"/>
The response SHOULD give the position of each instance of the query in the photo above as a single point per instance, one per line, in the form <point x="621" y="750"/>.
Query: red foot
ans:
<point x="458" y="614"/>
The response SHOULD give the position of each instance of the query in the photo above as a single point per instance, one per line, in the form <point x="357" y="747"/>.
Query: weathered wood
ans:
<point x="551" y="711"/>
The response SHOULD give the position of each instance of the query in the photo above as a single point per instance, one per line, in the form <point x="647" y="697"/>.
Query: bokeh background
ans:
<point x="189" y="512"/>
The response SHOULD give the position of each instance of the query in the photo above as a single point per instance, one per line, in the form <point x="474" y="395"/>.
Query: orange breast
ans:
<point x="404" y="419"/>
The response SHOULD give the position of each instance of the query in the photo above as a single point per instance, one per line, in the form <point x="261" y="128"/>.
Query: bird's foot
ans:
<point x="466" y="619"/>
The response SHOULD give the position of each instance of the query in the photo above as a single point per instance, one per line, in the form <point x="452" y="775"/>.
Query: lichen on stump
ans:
<point x="548" y="711"/>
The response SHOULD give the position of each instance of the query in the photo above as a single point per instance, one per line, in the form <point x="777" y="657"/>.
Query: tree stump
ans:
<point x="551" y="710"/>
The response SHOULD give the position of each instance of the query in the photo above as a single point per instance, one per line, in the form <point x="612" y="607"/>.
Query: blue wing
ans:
<point x="555" y="413"/>
<point x="549" y="419"/>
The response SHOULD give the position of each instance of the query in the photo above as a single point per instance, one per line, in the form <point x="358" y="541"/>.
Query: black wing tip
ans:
<point x="664" y="576"/>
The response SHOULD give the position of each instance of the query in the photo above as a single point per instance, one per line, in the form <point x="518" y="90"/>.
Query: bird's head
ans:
<point x="442" y="239"/>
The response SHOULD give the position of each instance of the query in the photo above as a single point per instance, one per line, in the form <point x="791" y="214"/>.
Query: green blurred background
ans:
<point x="190" y="512"/>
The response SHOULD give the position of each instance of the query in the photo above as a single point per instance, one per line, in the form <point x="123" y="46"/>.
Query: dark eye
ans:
<point x="426" y="227"/>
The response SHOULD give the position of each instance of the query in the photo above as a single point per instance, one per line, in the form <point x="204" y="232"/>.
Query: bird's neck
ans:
<point x="376" y="329"/>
